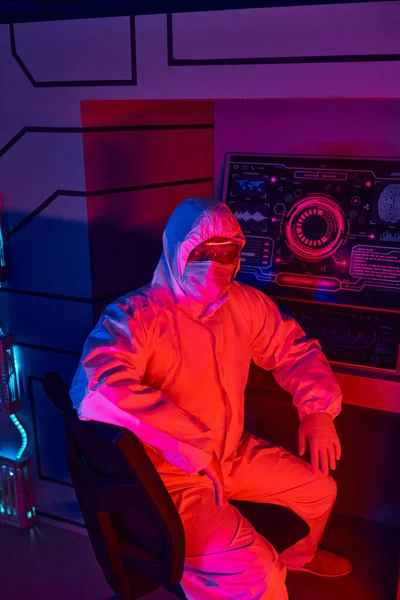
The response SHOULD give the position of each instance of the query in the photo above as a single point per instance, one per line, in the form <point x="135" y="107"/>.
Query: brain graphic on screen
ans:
<point x="389" y="204"/>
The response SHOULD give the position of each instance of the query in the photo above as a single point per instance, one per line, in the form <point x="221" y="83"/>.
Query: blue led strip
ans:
<point x="23" y="436"/>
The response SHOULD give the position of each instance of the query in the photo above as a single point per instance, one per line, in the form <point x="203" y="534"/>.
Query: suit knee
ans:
<point x="331" y="488"/>
<point x="328" y="488"/>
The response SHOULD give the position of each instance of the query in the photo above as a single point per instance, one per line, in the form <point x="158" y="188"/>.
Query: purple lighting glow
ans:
<point x="273" y="179"/>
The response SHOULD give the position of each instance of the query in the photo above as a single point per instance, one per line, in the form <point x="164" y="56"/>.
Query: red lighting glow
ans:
<point x="329" y="284"/>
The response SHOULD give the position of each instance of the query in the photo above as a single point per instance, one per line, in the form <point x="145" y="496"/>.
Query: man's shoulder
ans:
<point x="146" y="301"/>
<point x="250" y="298"/>
<point x="247" y="292"/>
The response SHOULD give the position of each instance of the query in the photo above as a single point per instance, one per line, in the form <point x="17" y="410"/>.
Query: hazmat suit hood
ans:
<point x="194" y="221"/>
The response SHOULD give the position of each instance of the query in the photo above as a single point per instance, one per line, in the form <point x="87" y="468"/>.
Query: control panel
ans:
<point x="323" y="240"/>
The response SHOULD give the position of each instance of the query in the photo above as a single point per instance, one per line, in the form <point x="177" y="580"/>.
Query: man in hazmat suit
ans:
<point x="170" y="362"/>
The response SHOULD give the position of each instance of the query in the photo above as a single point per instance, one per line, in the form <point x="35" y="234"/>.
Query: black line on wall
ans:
<point x="47" y="515"/>
<point x="268" y="60"/>
<point x="17" y="58"/>
<point x="78" y="83"/>
<point x="57" y="481"/>
<point x="73" y="9"/>
<point x="50" y="296"/>
<point x="46" y="349"/>
<point x="104" y="129"/>
<point x="91" y="194"/>
<point x="63" y="298"/>
<point x="31" y="379"/>
<point x="46" y="295"/>
<point x="132" y="25"/>
<point x="170" y="41"/>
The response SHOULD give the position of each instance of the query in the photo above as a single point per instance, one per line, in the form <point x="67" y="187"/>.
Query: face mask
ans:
<point x="208" y="281"/>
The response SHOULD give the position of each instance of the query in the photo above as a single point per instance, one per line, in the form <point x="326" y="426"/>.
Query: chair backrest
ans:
<point x="134" y="527"/>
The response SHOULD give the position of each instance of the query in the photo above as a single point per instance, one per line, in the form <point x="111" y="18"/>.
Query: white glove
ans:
<point x="325" y="450"/>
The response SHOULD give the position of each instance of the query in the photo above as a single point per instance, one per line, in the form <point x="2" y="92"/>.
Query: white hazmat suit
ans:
<point x="172" y="365"/>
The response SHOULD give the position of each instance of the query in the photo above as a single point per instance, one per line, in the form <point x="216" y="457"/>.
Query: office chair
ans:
<point x="133" y="525"/>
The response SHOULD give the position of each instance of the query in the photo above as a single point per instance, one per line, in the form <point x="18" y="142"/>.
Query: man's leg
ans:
<point x="225" y="557"/>
<point x="261" y="473"/>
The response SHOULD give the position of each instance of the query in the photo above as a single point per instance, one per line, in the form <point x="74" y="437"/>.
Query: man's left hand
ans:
<point x="325" y="450"/>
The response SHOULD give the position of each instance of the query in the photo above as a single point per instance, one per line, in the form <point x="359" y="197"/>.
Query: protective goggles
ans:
<point x="223" y="251"/>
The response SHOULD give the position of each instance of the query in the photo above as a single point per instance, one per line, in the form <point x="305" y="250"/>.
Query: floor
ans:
<point x="47" y="563"/>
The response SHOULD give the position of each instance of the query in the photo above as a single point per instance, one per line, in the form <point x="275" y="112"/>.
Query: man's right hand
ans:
<point x="214" y="472"/>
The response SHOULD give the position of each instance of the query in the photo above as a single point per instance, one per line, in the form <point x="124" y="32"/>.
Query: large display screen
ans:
<point x="325" y="231"/>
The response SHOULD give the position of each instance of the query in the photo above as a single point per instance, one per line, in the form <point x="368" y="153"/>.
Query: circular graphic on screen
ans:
<point x="389" y="204"/>
<point x="349" y="335"/>
<point x="315" y="228"/>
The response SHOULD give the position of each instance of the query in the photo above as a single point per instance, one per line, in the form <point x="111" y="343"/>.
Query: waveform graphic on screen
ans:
<point x="388" y="236"/>
<point x="248" y="216"/>
<point x="252" y="216"/>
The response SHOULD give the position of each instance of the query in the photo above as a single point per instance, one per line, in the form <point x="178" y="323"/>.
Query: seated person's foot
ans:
<point x="326" y="564"/>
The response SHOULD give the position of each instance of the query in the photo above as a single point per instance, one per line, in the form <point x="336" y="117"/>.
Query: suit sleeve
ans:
<point x="297" y="363"/>
<point x="109" y="387"/>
